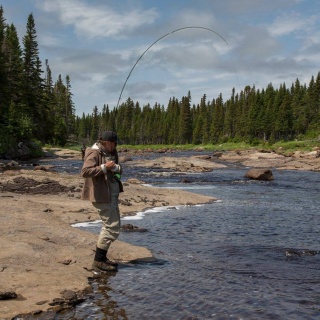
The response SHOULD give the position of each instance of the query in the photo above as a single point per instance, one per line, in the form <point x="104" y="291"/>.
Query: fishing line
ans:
<point x="166" y="35"/>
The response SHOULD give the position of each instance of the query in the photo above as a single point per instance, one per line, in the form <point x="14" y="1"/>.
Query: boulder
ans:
<point x="259" y="174"/>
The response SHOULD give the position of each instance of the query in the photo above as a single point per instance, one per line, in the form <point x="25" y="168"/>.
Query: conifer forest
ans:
<point x="34" y="107"/>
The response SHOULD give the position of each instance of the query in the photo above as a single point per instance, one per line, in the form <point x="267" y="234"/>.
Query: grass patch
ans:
<point x="284" y="146"/>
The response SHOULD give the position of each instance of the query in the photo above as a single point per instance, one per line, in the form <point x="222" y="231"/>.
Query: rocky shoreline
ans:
<point x="45" y="262"/>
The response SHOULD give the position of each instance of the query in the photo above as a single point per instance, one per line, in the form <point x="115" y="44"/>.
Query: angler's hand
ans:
<point x="116" y="168"/>
<point x="110" y="165"/>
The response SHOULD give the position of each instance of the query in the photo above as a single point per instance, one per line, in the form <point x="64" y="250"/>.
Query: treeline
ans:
<point x="32" y="106"/>
<point x="253" y="115"/>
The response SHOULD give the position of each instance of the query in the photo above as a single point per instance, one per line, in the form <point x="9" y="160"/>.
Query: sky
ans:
<point x="102" y="45"/>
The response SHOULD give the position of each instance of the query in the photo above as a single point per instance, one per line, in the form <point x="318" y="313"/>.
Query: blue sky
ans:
<point x="98" y="42"/>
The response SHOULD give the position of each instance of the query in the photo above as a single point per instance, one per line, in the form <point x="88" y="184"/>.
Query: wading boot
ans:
<point x="101" y="263"/>
<point x="103" y="266"/>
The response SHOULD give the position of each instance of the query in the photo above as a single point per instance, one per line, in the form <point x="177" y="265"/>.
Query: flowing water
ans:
<point x="254" y="254"/>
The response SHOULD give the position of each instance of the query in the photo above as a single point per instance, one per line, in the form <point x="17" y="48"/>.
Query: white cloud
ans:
<point x="289" y="23"/>
<point x="98" y="21"/>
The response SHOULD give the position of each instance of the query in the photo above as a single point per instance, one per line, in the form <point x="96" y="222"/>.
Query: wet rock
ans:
<point x="259" y="174"/>
<point x="69" y="298"/>
<point x="131" y="228"/>
<point x="57" y="302"/>
<point x="69" y="294"/>
<point x="8" y="295"/>
<point x="301" y="253"/>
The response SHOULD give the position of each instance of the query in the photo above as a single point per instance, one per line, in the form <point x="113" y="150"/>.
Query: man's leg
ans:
<point x="110" y="216"/>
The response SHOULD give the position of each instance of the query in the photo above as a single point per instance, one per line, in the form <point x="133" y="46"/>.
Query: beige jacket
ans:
<point x="96" y="186"/>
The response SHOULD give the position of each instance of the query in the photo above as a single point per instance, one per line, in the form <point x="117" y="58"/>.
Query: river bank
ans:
<point x="47" y="263"/>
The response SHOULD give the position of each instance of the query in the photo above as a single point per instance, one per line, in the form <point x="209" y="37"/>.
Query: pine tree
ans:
<point x="230" y="116"/>
<point x="33" y="82"/>
<point x="206" y="114"/>
<point x="19" y="127"/>
<point x="299" y="108"/>
<point x="173" y="113"/>
<point x="14" y="65"/>
<point x="69" y="107"/>
<point x="52" y="115"/>
<point x="313" y="101"/>
<point x="283" y="124"/>
<point x="59" y="112"/>
<point x="95" y="134"/>
<point x="136" y="124"/>
<point x="4" y="101"/>
<point x="216" y="130"/>
<point x="269" y="117"/>
<point x="185" y="124"/>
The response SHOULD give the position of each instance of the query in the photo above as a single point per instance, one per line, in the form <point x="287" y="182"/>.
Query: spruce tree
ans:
<point x="230" y="116"/>
<point x="14" y="64"/>
<point x="185" y="124"/>
<point x="33" y="82"/>
<point x="50" y="101"/>
<point x="299" y="108"/>
<point x="69" y="107"/>
<point x="95" y="134"/>
<point x="4" y="101"/>
<point x="313" y="104"/>
<point x="216" y="130"/>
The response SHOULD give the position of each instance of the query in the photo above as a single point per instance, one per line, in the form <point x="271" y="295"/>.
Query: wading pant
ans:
<point x="110" y="216"/>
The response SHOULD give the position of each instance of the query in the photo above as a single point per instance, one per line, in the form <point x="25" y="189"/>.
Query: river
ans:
<point x="254" y="254"/>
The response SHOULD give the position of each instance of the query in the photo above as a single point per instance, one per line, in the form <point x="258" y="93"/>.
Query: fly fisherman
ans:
<point x="102" y="174"/>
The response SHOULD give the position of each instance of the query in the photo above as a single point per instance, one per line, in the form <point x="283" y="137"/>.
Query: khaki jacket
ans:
<point x="96" y="186"/>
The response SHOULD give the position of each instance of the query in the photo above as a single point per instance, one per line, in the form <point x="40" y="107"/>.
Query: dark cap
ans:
<point x="109" y="136"/>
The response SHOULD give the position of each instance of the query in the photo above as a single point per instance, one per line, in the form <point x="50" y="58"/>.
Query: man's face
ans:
<point x="109" y="145"/>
